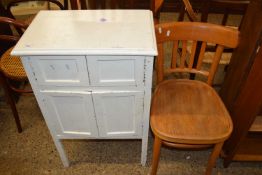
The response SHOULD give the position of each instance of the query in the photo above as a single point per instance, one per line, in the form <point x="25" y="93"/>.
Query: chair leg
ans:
<point x="11" y="102"/>
<point x="213" y="157"/>
<point x="156" y="154"/>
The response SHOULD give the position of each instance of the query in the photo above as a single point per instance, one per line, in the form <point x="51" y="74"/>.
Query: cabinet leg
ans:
<point x="61" y="151"/>
<point x="146" y="114"/>
<point x="144" y="149"/>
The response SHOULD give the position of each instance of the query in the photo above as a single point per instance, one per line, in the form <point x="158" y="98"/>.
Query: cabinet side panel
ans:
<point x="39" y="97"/>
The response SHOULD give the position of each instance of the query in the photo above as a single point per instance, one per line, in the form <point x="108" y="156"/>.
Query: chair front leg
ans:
<point x="213" y="157"/>
<point x="156" y="154"/>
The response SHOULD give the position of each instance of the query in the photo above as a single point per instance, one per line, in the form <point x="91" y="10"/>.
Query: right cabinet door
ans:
<point x="119" y="113"/>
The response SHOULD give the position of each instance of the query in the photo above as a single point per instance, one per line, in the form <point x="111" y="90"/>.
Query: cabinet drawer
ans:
<point x="60" y="70"/>
<point x="116" y="70"/>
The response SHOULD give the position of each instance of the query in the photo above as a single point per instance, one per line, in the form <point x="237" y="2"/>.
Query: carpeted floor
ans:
<point x="33" y="151"/>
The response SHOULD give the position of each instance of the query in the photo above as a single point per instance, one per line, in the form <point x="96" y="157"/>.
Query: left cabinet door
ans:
<point x="72" y="113"/>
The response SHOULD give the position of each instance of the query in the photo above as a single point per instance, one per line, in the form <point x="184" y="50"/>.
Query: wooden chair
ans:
<point x="49" y="4"/>
<point x="11" y="68"/>
<point x="189" y="113"/>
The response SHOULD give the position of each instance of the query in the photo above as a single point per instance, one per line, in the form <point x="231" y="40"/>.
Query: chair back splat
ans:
<point x="183" y="34"/>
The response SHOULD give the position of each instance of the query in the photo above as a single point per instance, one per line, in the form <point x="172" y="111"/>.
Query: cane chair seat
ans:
<point x="12" y="66"/>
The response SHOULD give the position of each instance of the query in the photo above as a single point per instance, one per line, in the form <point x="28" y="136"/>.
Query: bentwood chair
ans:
<point x="189" y="113"/>
<point x="12" y="72"/>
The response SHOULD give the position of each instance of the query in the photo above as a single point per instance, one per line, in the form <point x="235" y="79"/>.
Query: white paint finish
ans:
<point x="48" y="118"/>
<point x="119" y="113"/>
<point x="149" y="62"/>
<point x="60" y="70"/>
<point x="115" y="96"/>
<point x="116" y="70"/>
<point x="60" y="149"/>
<point x="89" y="32"/>
<point x="73" y="112"/>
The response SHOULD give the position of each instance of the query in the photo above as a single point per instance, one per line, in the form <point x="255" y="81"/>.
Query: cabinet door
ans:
<point x="60" y="70"/>
<point x="72" y="113"/>
<point x="119" y="114"/>
<point x="116" y="70"/>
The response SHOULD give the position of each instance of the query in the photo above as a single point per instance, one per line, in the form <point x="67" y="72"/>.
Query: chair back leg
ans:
<point x="213" y="157"/>
<point x="11" y="101"/>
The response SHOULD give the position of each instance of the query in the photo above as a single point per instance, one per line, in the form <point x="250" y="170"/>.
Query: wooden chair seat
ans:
<point x="12" y="66"/>
<point x="189" y="112"/>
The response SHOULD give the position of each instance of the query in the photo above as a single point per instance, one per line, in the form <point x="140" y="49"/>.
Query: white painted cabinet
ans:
<point x="91" y="73"/>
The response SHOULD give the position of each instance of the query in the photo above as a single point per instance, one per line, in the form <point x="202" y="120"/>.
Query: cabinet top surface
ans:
<point x="91" y="32"/>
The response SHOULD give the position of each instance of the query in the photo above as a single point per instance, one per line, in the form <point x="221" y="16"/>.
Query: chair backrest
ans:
<point x="14" y="3"/>
<point x="19" y="26"/>
<point x="182" y="34"/>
